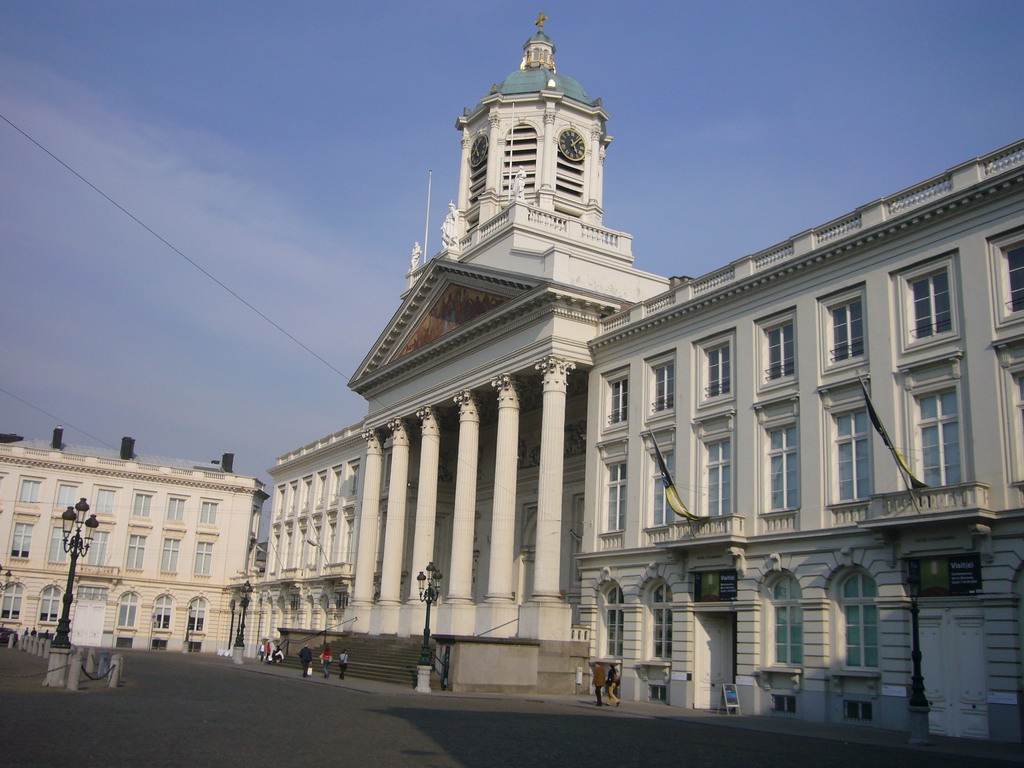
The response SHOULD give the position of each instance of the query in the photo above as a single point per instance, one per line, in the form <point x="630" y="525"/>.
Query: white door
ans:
<point x="953" y="665"/>
<point x="87" y="625"/>
<point x="713" y="659"/>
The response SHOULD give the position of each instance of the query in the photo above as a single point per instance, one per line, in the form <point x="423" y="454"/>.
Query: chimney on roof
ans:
<point x="227" y="462"/>
<point x="58" y="439"/>
<point x="127" y="448"/>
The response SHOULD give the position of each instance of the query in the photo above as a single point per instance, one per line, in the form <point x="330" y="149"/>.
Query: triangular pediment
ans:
<point x="457" y="305"/>
<point x="447" y="299"/>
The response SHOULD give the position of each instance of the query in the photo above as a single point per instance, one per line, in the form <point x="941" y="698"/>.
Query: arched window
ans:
<point x="615" y="620"/>
<point x="197" y="615"/>
<point x="162" y="612"/>
<point x="661" y="622"/>
<point x="127" y="609"/>
<point x="789" y="624"/>
<point x="49" y="604"/>
<point x="860" y="616"/>
<point x="12" y="602"/>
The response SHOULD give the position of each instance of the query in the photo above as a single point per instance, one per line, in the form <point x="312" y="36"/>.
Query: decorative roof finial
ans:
<point x="540" y="22"/>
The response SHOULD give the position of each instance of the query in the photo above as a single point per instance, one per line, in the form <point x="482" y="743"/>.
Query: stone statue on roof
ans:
<point x="416" y="251"/>
<point x="448" y="227"/>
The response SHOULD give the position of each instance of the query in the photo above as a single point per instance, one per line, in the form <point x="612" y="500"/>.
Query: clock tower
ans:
<point x="537" y="138"/>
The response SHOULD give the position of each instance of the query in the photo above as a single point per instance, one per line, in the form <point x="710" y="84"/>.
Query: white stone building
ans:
<point x="174" y="544"/>
<point x="511" y="398"/>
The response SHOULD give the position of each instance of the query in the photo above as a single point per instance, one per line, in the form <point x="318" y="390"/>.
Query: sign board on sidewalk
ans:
<point x="730" y="698"/>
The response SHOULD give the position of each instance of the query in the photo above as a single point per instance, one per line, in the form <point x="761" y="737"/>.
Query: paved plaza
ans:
<point x="191" y="710"/>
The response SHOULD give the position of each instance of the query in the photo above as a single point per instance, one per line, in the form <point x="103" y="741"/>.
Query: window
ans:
<point x="104" y="502"/>
<point x="66" y="495"/>
<point x="55" y="553"/>
<point x="162" y="612"/>
<point x="784" y="703"/>
<point x="197" y="615"/>
<point x="353" y="478"/>
<point x="661" y="619"/>
<point x="719" y="371"/>
<point x="29" y="492"/>
<point x="12" y="602"/>
<point x="783" y="468"/>
<point x="847" y="330"/>
<point x="860" y="615"/>
<point x="1015" y="267"/>
<point x="662" y="511"/>
<point x="49" y="604"/>
<point x="142" y="504"/>
<point x="617" y="496"/>
<point x="855" y="711"/>
<point x="789" y="624"/>
<point x="175" y="509"/>
<point x="21" y="544"/>
<point x="136" y="551"/>
<point x="939" y="430"/>
<point x="619" y="408"/>
<point x="615" y="621"/>
<point x="208" y="513"/>
<point x="930" y="297"/>
<point x="664" y="387"/>
<point x="127" y="610"/>
<point x="169" y="555"/>
<point x="853" y="456"/>
<point x="719" y="477"/>
<point x="204" y="558"/>
<point x="780" y="352"/>
<point x="97" y="554"/>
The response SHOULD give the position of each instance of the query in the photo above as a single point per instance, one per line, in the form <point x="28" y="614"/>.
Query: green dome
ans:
<point x="534" y="80"/>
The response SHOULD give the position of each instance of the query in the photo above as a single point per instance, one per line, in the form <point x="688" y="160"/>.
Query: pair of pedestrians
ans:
<point x="607" y="681"/>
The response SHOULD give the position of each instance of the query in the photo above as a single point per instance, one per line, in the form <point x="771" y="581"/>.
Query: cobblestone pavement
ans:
<point x="190" y="710"/>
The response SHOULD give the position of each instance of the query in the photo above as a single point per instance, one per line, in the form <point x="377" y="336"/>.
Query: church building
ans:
<point x="519" y="398"/>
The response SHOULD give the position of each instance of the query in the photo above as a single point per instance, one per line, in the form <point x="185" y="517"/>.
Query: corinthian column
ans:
<point x="460" y="580"/>
<point x="426" y="500"/>
<point x="547" y="560"/>
<point x="503" y="514"/>
<point x="394" y="534"/>
<point x="369" y="519"/>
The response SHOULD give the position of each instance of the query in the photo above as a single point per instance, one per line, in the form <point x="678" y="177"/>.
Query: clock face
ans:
<point x="572" y="144"/>
<point x="478" y="153"/>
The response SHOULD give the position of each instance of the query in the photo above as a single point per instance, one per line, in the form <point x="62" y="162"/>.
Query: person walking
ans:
<point x="306" y="657"/>
<point x="342" y="663"/>
<point x="326" y="657"/>
<point x="598" y="681"/>
<point x="612" y="685"/>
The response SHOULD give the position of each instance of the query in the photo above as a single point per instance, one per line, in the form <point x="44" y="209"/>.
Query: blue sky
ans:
<point x="285" y="149"/>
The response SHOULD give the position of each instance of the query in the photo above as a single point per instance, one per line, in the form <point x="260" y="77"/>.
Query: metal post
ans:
<point x="239" y="650"/>
<point x="917" y="706"/>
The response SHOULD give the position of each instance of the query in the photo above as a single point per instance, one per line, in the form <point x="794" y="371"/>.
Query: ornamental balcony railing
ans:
<point x="963" y="497"/>
<point x="705" y="528"/>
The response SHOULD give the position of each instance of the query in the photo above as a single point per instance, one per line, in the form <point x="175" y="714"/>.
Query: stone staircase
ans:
<point x="386" y="659"/>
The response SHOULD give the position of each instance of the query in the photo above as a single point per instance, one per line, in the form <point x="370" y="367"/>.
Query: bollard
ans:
<point x="90" y="662"/>
<point x="103" y="665"/>
<point x="116" y="668"/>
<point x="46" y="648"/>
<point x="75" y="670"/>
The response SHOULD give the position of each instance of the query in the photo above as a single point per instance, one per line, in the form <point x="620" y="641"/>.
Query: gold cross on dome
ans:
<point x="540" y="22"/>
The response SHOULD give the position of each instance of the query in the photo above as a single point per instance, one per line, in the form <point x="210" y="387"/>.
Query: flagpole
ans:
<point x="905" y="473"/>
<point x="426" y="225"/>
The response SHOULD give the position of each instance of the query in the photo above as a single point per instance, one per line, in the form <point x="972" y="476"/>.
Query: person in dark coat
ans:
<point x="342" y="663"/>
<point x="306" y="657"/>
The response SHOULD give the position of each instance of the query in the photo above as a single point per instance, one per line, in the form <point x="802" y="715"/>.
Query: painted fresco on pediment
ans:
<point x="457" y="306"/>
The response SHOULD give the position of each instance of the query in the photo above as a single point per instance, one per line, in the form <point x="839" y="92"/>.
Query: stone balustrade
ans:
<point x="850" y="225"/>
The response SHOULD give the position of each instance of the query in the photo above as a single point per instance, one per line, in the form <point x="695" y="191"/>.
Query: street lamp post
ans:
<point x="231" y="628"/>
<point x="76" y="545"/>
<point x="239" y="649"/>
<point x="430" y="592"/>
<point x="917" y="706"/>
